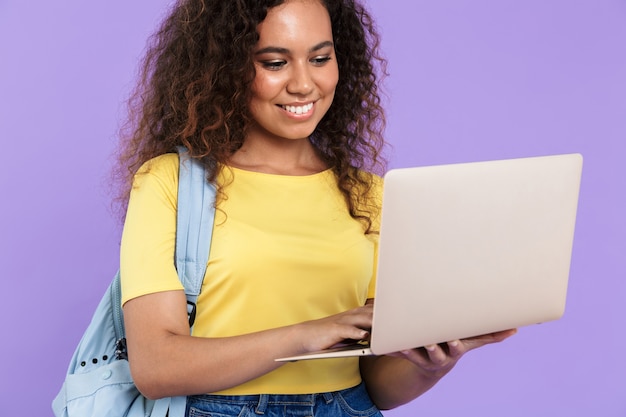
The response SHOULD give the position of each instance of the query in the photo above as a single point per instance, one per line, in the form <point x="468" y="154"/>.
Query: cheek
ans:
<point x="332" y="86"/>
<point x="328" y="90"/>
<point x="330" y="81"/>
<point x="266" y="86"/>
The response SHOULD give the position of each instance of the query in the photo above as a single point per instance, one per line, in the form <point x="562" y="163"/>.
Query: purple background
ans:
<point x="470" y="80"/>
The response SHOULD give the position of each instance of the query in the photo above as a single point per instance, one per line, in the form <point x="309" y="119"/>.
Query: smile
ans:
<point x="298" y="109"/>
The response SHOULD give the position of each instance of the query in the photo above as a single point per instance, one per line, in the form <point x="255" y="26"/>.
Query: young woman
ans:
<point x="279" y="100"/>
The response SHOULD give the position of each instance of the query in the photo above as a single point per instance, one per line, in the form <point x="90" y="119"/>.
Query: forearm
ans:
<point x="184" y="365"/>
<point x="393" y="381"/>
<point x="166" y="361"/>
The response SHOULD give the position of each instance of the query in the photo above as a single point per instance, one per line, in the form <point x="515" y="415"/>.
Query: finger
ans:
<point x="363" y="311"/>
<point x="500" y="336"/>
<point x="456" y="349"/>
<point x="352" y="330"/>
<point x="362" y="322"/>
<point x="497" y="336"/>
<point x="417" y="356"/>
<point x="436" y="354"/>
<point x="366" y="307"/>
<point x="478" y="341"/>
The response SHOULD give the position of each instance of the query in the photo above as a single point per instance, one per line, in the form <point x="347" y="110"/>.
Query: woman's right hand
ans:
<point x="323" y="333"/>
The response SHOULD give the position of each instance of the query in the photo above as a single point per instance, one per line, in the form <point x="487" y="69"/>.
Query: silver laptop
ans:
<point x="469" y="249"/>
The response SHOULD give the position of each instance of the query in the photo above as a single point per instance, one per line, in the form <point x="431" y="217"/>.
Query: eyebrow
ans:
<point x="280" y="50"/>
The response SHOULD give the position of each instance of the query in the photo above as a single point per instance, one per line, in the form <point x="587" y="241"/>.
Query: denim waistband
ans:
<point x="262" y="401"/>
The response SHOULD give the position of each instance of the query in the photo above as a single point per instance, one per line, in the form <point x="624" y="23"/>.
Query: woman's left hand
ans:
<point x="437" y="360"/>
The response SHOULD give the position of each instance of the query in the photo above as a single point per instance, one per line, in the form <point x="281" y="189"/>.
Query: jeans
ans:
<point x="351" y="402"/>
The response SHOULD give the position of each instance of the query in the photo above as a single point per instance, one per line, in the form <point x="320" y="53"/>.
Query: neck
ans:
<point x="283" y="157"/>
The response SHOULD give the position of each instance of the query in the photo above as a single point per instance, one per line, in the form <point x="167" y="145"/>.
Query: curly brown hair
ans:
<point x="195" y="86"/>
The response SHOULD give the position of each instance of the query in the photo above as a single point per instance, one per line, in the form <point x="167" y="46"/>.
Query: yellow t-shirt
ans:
<point x="284" y="250"/>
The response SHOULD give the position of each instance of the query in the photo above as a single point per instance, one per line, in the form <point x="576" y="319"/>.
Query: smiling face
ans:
<point x="296" y="71"/>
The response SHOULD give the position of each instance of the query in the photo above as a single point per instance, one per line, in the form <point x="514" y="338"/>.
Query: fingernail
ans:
<point x="430" y="348"/>
<point x="454" y="343"/>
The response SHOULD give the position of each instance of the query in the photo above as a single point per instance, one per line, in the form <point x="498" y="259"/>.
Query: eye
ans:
<point x="273" y="65"/>
<point x="320" y="60"/>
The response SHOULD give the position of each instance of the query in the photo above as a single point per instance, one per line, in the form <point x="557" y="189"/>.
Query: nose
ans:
<point x="300" y="80"/>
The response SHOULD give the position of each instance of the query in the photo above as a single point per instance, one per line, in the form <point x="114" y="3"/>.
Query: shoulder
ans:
<point x="158" y="176"/>
<point x="163" y="168"/>
<point x="160" y="165"/>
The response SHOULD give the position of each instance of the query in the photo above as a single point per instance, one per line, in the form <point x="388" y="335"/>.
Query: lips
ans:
<point x="298" y="109"/>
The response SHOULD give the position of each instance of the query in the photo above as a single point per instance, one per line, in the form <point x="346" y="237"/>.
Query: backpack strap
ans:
<point x="194" y="226"/>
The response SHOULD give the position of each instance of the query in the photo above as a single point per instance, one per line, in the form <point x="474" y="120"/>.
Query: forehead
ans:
<point x="296" y="21"/>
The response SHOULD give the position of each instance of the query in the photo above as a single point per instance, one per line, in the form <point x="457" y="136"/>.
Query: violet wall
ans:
<point x="470" y="80"/>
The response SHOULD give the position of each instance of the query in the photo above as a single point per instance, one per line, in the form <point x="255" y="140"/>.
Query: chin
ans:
<point x="294" y="135"/>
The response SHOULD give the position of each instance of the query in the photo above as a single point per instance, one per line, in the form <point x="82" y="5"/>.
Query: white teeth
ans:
<point x="298" y="109"/>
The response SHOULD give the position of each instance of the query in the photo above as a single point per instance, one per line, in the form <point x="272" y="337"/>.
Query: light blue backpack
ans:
<point x="98" y="381"/>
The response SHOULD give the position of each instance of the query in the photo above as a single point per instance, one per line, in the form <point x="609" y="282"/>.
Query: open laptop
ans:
<point x="469" y="249"/>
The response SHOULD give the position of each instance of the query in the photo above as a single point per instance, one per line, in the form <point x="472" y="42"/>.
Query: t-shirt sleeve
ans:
<point x="149" y="235"/>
